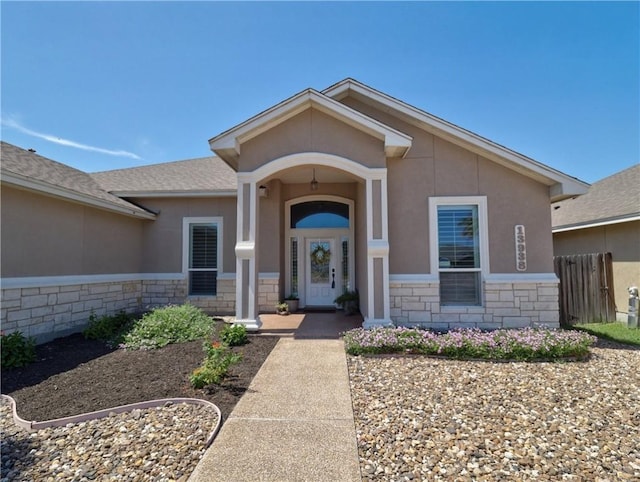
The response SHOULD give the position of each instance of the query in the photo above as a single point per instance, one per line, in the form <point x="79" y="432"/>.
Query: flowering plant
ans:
<point x="522" y="344"/>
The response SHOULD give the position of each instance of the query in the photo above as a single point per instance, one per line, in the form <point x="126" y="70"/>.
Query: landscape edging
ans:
<point x="83" y="417"/>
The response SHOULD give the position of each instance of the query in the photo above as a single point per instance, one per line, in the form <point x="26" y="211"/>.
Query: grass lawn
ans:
<point x="613" y="331"/>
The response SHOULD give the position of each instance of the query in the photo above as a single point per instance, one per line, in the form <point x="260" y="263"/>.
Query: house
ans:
<point x="327" y="191"/>
<point x="605" y="219"/>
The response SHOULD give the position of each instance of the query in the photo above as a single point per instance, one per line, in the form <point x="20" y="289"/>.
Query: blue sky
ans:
<point x="106" y="85"/>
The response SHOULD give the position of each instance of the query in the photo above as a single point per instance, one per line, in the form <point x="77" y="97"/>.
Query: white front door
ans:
<point x="320" y="272"/>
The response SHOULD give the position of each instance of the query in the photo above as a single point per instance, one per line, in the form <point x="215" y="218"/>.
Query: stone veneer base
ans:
<point x="505" y="305"/>
<point x="48" y="312"/>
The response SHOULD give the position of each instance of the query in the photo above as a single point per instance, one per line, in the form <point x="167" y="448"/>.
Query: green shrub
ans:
<point x="17" y="350"/>
<point x="234" y="335"/>
<point x="108" y="328"/>
<point x="170" y="324"/>
<point x="216" y="365"/>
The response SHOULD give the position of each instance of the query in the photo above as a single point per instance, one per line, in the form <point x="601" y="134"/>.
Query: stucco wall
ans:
<point x="311" y="131"/>
<point x="45" y="236"/>
<point x="621" y="240"/>
<point x="162" y="238"/>
<point x="436" y="167"/>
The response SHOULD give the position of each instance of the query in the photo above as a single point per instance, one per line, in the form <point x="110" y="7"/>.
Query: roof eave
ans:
<point x="228" y="144"/>
<point x="41" y="187"/>
<point x="594" y="224"/>
<point x="561" y="184"/>
<point x="176" y="193"/>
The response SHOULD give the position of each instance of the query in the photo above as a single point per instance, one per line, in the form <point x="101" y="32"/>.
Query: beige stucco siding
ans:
<point x="515" y="199"/>
<point x="45" y="236"/>
<point x="163" y="237"/>
<point x="452" y="171"/>
<point x="311" y="131"/>
<point x="621" y="240"/>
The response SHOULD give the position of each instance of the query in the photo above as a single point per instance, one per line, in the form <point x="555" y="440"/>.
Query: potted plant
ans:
<point x="348" y="301"/>
<point x="282" y="308"/>
<point x="292" y="301"/>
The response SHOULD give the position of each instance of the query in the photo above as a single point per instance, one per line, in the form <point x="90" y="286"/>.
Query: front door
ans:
<point x="320" y="272"/>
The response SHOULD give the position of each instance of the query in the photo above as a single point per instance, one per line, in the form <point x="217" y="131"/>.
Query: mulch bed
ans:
<point x="73" y="375"/>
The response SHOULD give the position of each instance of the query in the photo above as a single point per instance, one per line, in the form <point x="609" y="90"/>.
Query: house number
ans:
<point x="521" y="248"/>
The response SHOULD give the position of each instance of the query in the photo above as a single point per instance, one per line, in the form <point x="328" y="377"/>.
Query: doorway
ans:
<point x="319" y="259"/>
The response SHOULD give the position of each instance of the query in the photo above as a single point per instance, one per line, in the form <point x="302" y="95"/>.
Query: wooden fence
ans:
<point x="586" y="288"/>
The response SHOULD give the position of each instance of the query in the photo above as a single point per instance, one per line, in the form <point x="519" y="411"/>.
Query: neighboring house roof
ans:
<point x="205" y="176"/>
<point x="227" y="144"/>
<point x="614" y="199"/>
<point x="28" y="170"/>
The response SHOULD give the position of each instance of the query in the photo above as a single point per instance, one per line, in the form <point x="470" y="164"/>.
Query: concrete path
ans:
<point x="295" y="423"/>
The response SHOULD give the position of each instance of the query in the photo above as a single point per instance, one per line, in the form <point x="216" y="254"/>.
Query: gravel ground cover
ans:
<point x="162" y="443"/>
<point x="420" y="418"/>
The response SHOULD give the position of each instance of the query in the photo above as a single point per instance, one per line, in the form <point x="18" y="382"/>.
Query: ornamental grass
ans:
<point x="524" y="344"/>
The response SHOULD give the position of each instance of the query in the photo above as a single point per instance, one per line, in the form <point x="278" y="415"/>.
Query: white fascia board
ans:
<point x="396" y="142"/>
<point x="157" y="194"/>
<point x="595" y="224"/>
<point x="567" y="185"/>
<point x="74" y="196"/>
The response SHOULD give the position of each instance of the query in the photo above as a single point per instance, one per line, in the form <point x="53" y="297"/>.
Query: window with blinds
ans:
<point x="459" y="255"/>
<point x="203" y="259"/>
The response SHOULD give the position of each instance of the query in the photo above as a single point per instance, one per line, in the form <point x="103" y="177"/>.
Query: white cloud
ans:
<point x="65" y="142"/>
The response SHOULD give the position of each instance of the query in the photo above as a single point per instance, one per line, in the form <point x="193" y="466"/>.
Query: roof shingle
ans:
<point x="205" y="174"/>
<point x="30" y="166"/>
<point x="614" y="197"/>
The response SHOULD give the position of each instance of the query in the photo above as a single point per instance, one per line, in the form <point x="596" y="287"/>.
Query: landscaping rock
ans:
<point x="434" y="419"/>
<point x="162" y="443"/>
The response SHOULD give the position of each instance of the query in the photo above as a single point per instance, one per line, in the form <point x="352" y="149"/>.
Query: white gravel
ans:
<point x="421" y="418"/>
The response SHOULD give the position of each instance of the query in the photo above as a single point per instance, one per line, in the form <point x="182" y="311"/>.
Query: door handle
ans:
<point x="333" y="278"/>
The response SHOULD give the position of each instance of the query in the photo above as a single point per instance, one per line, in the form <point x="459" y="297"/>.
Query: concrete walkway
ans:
<point x="295" y="422"/>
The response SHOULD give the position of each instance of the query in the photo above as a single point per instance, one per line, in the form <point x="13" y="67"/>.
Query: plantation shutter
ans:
<point x="203" y="259"/>
<point x="459" y="255"/>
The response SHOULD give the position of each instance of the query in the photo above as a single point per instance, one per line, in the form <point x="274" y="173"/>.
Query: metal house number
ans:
<point x="521" y="248"/>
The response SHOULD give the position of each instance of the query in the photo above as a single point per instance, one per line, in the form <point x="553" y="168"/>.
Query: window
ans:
<point x="201" y="254"/>
<point x="457" y="249"/>
<point x="319" y="214"/>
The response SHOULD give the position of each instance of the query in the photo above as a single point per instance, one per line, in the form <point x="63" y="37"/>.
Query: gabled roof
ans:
<point x="28" y="170"/>
<point x="205" y="176"/>
<point x="614" y="199"/>
<point x="228" y="144"/>
<point x="561" y="185"/>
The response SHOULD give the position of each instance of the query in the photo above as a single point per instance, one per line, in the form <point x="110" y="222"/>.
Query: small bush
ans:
<point x="17" y="350"/>
<point x="524" y="344"/>
<point x="170" y="324"/>
<point x="108" y="328"/>
<point x="216" y="365"/>
<point x="234" y="335"/>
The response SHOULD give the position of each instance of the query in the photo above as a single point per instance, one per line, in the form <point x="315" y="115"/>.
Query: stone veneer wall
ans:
<point x="268" y="294"/>
<point x="506" y="305"/>
<point x="48" y="312"/>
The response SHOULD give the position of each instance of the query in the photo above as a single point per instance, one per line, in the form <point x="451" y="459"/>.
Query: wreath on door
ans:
<point x="320" y="255"/>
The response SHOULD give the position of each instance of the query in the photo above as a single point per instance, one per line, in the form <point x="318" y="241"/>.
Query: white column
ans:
<point x="377" y="249"/>
<point x="246" y="256"/>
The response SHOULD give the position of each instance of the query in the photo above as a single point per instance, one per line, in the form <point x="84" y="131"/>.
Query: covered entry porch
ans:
<point x="310" y="325"/>
<point x="317" y="223"/>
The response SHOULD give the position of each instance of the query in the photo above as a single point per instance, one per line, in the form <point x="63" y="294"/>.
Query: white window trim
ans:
<point x="483" y="234"/>
<point x="186" y="222"/>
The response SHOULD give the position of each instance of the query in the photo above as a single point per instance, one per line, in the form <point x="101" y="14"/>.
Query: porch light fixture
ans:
<point x="264" y="191"/>
<point x="314" y="181"/>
